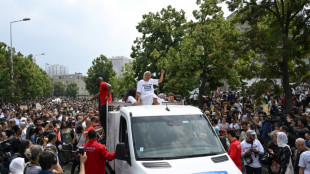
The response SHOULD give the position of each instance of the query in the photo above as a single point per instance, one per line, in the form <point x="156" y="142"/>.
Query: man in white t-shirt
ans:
<point x="145" y="90"/>
<point x="304" y="163"/>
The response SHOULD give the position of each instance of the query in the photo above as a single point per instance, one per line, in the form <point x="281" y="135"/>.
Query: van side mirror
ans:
<point x="121" y="154"/>
<point x="120" y="151"/>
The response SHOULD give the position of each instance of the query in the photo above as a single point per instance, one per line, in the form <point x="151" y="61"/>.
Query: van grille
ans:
<point x="157" y="165"/>
<point x="219" y="159"/>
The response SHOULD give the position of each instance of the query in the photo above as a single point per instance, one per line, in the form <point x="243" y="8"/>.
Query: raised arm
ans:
<point x="84" y="118"/>
<point x="162" y="72"/>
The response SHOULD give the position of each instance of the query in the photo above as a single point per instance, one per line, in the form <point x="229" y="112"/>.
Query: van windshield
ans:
<point x="173" y="137"/>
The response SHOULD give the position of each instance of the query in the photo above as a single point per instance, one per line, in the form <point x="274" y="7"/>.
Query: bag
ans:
<point x="289" y="169"/>
<point x="248" y="159"/>
<point x="74" y="147"/>
<point x="275" y="167"/>
<point x="264" y="158"/>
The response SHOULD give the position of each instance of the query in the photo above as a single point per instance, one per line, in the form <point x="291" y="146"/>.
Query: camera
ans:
<point x="80" y="151"/>
<point x="6" y="147"/>
<point x="67" y="147"/>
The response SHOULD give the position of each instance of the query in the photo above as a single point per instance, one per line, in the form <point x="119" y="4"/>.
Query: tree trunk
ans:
<point x="286" y="77"/>
<point x="202" y="89"/>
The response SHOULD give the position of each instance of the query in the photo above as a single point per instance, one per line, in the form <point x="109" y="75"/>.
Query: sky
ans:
<point x="74" y="32"/>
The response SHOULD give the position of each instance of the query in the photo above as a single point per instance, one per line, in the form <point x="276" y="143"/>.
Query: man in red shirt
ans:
<point x="97" y="154"/>
<point x="234" y="150"/>
<point x="105" y="96"/>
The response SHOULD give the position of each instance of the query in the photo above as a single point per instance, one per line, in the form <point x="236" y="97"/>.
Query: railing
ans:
<point x="116" y="106"/>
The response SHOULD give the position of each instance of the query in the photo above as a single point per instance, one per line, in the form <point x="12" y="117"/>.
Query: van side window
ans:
<point x="123" y="137"/>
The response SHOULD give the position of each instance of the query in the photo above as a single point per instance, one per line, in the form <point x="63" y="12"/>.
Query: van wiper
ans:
<point x="200" y="155"/>
<point x="179" y="157"/>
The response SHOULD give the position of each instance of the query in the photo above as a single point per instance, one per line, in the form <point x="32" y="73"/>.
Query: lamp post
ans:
<point x="34" y="57"/>
<point x="25" y="19"/>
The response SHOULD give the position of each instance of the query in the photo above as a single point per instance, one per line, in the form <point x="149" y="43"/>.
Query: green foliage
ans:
<point x="29" y="80"/>
<point x="278" y="30"/>
<point x="259" y="88"/>
<point x="101" y="67"/>
<point x="59" y="89"/>
<point x="205" y="57"/>
<point x="160" y="31"/>
<point x="125" y="82"/>
<point x="72" y="90"/>
<point x="195" y="53"/>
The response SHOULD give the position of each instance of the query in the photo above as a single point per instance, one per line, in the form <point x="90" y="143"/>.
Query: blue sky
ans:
<point x="74" y="32"/>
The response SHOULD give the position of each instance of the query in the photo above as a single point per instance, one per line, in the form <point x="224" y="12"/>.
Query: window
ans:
<point x="123" y="134"/>
<point x="173" y="137"/>
<point x="59" y="77"/>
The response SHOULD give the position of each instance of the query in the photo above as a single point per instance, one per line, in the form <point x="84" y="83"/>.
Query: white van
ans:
<point x="161" y="139"/>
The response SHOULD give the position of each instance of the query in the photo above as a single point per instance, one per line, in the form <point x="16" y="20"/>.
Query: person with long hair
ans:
<point x="79" y="139"/>
<point x="33" y="154"/>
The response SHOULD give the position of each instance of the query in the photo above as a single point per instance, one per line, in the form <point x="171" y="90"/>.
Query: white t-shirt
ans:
<point x="23" y="135"/>
<point x="239" y="106"/>
<point x="234" y="126"/>
<point x="146" y="88"/>
<point x="146" y="91"/>
<point x="17" y="121"/>
<point x="305" y="161"/>
<point x="256" y="145"/>
<point x="195" y="96"/>
<point x="243" y="117"/>
<point x="131" y="100"/>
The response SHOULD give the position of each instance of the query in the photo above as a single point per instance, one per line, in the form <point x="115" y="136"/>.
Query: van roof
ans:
<point x="160" y="110"/>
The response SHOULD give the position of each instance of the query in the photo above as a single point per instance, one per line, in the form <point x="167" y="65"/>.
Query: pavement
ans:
<point x="67" y="168"/>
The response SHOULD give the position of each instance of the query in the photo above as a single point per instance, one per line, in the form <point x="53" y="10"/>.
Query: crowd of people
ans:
<point x="39" y="136"/>
<point x="32" y="131"/>
<point x="263" y="135"/>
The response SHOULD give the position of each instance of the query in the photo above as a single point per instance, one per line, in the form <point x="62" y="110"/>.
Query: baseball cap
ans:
<point x="222" y="131"/>
<point x="250" y="132"/>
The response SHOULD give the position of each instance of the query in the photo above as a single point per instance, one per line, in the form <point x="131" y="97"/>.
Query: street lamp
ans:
<point x="25" y="19"/>
<point x="34" y="57"/>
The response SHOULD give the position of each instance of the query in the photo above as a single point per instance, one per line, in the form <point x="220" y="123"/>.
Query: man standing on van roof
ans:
<point x="145" y="90"/>
<point x="105" y="95"/>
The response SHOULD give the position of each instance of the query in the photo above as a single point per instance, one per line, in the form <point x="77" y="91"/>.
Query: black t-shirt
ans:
<point x="291" y="141"/>
<point x="272" y="146"/>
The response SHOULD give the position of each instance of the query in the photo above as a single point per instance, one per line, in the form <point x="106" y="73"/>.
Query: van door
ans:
<point x="123" y="166"/>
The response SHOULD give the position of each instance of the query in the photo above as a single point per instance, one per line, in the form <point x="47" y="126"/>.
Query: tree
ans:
<point x="72" y="90"/>
<point x="160" y="31"/>
<point x="126" y="81"/>
<point x="205" y="58"/>
<point x="59" y="89"/>
<point x="101" y="67"/>
<point x="279" y="30"/>
<point x="29" y="80"/>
